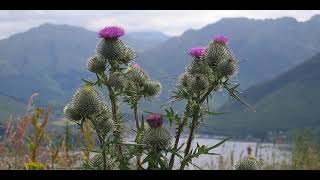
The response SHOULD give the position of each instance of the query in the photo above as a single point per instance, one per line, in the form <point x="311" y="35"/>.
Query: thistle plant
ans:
<point x="209" y="71"/>
<point x="114" y="70"/>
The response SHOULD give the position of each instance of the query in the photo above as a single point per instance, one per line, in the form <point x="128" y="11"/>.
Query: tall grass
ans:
<point x="28" y="144"/>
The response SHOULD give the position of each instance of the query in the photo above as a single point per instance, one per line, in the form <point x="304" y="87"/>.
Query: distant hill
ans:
<point x="265" y="48"/>
<point x="10" y="106"/>
<point x="287" y="102"/>
<point x="51" y="59"/>
<point x="142" y="41"/>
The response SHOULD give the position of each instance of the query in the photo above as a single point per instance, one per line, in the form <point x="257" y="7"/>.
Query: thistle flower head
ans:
<point x="96" y="64"/>
<point x="70" y="113"/>
<point x="155" y="120"/>
<point x="221" y="39"/>
<point x="199" y="67"/>
<point x="103" y="124"/>
<point x="197" y="52"/>
<point x="184" y="79"/>
<point x="228" y="68"/>
<point x="114" y="50"/>
<point x="157" y="138"/>
<point x="135" y="65"/>
<point x="86" y="101"/>
<point x="111" y="32"/>
<point x="248" y="163"/>
<point x="96" y="163"/>
<point x="136" y="75"/>
<point x="152" y="88"/>
<point x="116" y="80"/>
<point x="199" y="83"/>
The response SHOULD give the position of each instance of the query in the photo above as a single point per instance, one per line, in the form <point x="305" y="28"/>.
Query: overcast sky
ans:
<point x="169" y="22"/>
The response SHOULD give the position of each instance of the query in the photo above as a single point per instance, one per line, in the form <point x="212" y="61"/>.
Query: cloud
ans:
<point x="169" y="22"/>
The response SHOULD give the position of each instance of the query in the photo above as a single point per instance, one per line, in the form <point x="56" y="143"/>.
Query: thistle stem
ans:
<point x="190" y="138"/>
<point x="103" y="152"/>
<point x="178" y="134"/>
<point x="117" y="132"/>
<point x="194" y="123"/>
<point x="136" y="118"/>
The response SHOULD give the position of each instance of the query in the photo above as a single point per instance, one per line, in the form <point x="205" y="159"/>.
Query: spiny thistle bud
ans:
<point x="152" y="88"/>
<point x="199" y="67"/>
<point x="227" y="68"/>
<point x="104" y="108"/>
<point x="103" y="124"/>
<point x="248" y="163"/>
<point x="96" y="163"/>
<point x="70" y="113"/>
<point x="114" y="50"/>
<point x="199" y="83"/>
<point x="86" y="101"/>
<point x="135" y="66"/>
<point x="116" y="80"/>
<point x="96" y="64"/>
<point x="155" y="120"/>
<point x="217" y="52"/>
<point x="157" y="138"/>
<point x="136" y="75"/>
<point x="197" y="52"/>
<point x="185" y="79"/>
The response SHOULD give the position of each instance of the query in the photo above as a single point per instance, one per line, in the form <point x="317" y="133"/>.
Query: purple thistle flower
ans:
<point x="197" y="52"/>
<point x="135" y="65"/>
<point x="155" y="120"/>
<point x="111" y="32"/>
<point x="221" y="39"/>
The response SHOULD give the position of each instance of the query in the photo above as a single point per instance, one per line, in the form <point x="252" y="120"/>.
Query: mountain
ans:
<point x="282" y="104"/>
<point x="10" y="106"/>
<point x="51" y="60"/>
<point x="142" y="41"/>
<point x="265" y="48"/>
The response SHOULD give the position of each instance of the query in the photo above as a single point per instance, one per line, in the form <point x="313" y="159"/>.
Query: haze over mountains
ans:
<point x="286" y="102"/>
<point x="51" y="59"/>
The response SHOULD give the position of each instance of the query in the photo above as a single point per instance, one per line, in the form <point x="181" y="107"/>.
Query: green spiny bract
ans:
<point x="151" y="88"/>
<point x="85" y="102"/>
<point x="248" y="163"/>
<point x="157" y="138"/>
<point x="199" y="66"/>
<point x="103" y="124"/>
<point x="114" y="51"/>
<point x="96" y="65"/>
<point x="96" y="163"/>
<point x="198" y="83"/>
<point x="139" y="85"/>
<point x="217" y="53"/>
<point x="227" y="68"/>
<point x="70" y="113"/>
<point x="136" y="75"/>
<point x="184" y="79"/>
<point x="117" y="80"/>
